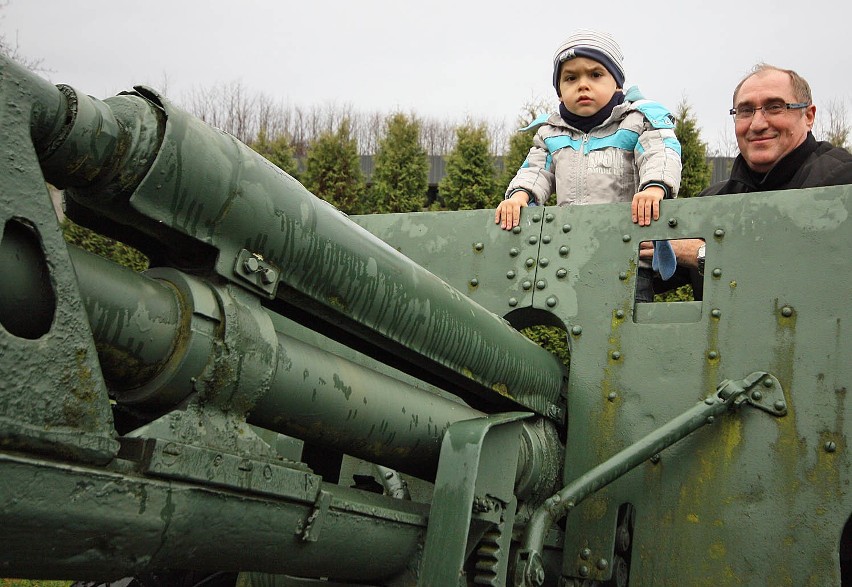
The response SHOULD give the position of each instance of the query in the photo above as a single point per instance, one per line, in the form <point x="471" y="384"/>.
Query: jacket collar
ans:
<point x="587" y="123"/>
<point x="781" y="173"/>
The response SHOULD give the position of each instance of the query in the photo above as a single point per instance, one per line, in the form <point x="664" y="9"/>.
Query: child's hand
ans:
<point x="508" y="214"/>
<point x="646" y="205"/>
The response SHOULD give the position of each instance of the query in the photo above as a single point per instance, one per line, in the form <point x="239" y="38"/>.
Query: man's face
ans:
<point x="763" y="140"/>
<point x="586" y="86"/>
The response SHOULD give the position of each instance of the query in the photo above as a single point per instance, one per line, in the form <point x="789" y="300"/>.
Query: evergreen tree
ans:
<point x="277" y="151"/>
<point x="470" y="183"/>
<point x="105" y="247"/>
<point x="333" y="170"/>
<point x="696" y="169"/>
<point x="401" y="175"/>
<point x="520" y="142"/>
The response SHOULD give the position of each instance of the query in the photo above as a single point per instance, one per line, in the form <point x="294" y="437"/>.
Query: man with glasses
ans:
<point x="773" y="116"/>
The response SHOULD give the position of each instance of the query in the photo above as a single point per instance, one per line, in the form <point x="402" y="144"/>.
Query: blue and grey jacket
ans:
<point x="634" y="148"/>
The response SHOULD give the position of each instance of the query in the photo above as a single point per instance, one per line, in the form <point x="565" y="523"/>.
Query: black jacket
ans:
<point x="811" y="164"/>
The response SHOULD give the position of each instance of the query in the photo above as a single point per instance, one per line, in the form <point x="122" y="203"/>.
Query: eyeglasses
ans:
<point x="772" y="109"/>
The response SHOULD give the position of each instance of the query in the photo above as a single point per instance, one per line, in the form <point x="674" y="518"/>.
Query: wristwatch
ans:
<point x="700" y="258"/>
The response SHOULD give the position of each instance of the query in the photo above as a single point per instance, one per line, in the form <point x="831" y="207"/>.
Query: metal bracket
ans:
<point x="309" y="530"/>
<point x="760" y="390"/>
<point x="252" y="268"/>
<point x="170" y="459"/>
<point x="475" y="481"/>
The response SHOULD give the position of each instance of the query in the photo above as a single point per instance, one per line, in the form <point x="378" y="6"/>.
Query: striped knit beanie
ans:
<point x="592" y="44"/>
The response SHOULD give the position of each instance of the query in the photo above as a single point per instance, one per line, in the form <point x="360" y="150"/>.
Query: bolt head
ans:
<point x="251" y="265"/>
<point x="268" y="276"/>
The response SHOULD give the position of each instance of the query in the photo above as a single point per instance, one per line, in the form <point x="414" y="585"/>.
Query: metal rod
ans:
<point x="558" y="505"/>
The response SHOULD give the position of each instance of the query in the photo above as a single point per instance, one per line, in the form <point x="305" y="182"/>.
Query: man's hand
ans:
<point x="646" y="205"/>
<point x="508" y="214"/>
<point x="685" y="249"/>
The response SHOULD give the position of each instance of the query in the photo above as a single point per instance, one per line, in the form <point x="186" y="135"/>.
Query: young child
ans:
<point x="602" y="146"/>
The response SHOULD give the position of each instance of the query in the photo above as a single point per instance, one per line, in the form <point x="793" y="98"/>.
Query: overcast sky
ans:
<point x="439" y="59"/>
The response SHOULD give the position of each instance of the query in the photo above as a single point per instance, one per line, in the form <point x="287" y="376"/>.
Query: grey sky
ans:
<point x="441" y="59"/>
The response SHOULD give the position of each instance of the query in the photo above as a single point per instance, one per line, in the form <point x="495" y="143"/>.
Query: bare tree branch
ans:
<point x="833" y="125"/>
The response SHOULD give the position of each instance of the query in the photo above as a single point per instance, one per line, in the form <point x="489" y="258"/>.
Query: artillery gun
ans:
<point x="290" y="396"/>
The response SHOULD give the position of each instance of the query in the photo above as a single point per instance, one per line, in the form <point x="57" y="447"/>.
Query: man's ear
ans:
<point x="810" y="115"/>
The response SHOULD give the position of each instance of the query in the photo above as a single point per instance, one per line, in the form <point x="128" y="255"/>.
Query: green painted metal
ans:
<point x="157" y="523"/>
<point x="211" y="203"/>
<point x="135" y="322"/>
<point x="76" y="424"/>
<point x="777" y="303"/>
<point x="140" y="413"/>
<point x="731" y="394"/>
<point x="299" y="389"/>
<point x="469" y="486"/>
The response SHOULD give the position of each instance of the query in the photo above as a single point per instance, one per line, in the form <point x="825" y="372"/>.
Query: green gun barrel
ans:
<point x="138" y="168"/>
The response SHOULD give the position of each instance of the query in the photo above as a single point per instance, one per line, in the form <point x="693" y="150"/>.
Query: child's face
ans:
<point x="586" y="86"/>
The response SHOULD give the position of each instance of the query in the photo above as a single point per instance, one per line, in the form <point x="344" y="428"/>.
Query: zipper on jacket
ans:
<point x="584" y="196"/>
